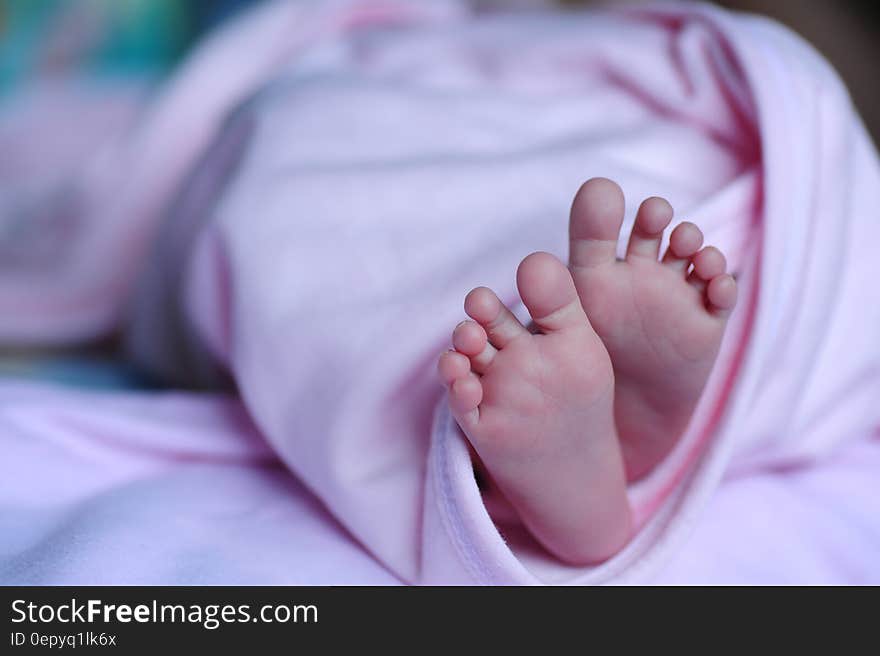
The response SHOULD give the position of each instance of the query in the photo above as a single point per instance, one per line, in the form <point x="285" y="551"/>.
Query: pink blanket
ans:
<point x="305" y="222"/>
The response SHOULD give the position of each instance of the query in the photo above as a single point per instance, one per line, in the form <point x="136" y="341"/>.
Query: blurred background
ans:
<point x="145" y="38"/>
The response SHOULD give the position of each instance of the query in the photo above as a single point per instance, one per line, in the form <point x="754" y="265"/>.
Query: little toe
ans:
<point x="548" y="291"/>
<point x="453" y="365"/>
<point x="501" y="326"/>
<point x="651" y="220"/>
<point x="594" y="225"/>
<point x="708" y="263"/>
<point x="465" y="396"/>
<point x="721" y="295"/>
<point x="684" y="242"/>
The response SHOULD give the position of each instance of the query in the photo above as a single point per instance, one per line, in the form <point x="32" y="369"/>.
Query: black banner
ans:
<point x="126" y="620"/>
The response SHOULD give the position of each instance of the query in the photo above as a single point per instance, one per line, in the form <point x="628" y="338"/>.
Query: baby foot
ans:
<point x="538" y="409"/>
<point x="661" y="320"/>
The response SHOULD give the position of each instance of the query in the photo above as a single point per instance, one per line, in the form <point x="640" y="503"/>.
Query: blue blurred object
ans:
<point x="102" y="37"/>
<point x="102" y="373"/>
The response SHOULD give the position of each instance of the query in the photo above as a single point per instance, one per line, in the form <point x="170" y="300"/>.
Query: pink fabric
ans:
<point x="320" y="251"/>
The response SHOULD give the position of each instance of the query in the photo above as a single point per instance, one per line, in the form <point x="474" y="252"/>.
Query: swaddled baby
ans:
<point x="375" y="149"/>
<point x="379" y="164"/>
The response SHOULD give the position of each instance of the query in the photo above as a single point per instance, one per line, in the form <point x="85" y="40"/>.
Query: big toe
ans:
<point x="594" y="225"/>
<point x="548" y="291"/>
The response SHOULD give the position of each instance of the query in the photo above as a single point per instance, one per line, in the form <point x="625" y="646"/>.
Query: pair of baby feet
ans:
<point x="599" y="388"/>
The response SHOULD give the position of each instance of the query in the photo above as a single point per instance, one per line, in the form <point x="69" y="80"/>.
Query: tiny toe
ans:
<point x="708" y="263"/>
<point x="451" y="366"/>
<point x="465" y="395"/>
<point x="469" y="338"/>
<point x="548" y="291"/>
<point x="651" y="220"/>
<point x="501" y="326"/>
<point x="721" y="294"/>
<point x="594" y="224"/>
<point x="684" y="241"/>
